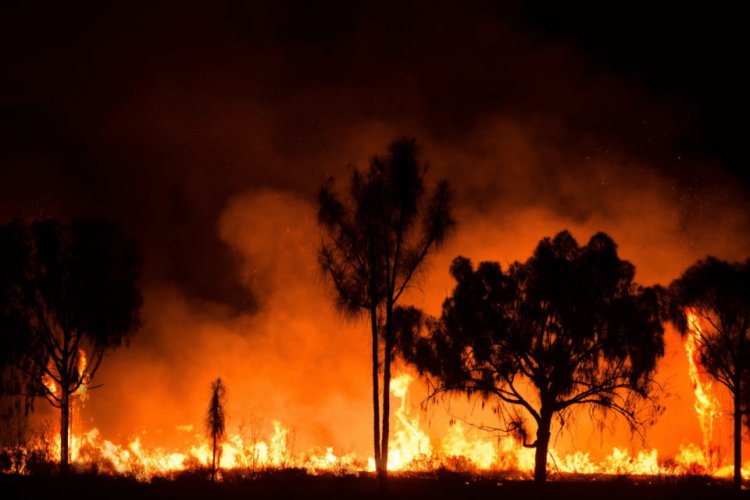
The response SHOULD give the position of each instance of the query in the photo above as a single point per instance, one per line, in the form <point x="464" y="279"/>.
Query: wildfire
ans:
<point x="81" y="364"/>
<point x="82" y="391"/>
<point x="462" y="447"/>
<point x="479" y="451"/>
<point x="706" y="404"/>
<point x="409" y="441"/>
<point x="50" y="384"/>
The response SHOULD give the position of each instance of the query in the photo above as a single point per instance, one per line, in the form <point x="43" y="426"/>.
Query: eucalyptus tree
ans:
<point x="566" y="328"/>
<point x="375" y="239"/>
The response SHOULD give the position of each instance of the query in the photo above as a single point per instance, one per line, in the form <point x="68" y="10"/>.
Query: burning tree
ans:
<point x="215" y="420"/>
<point x="373" y="246"/>
<point x="711" y="303"/>
<point x="77" y="298"/>
<point x="566" y="328"/>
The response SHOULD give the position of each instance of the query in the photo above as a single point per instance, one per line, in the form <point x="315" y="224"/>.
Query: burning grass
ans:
<point x="463" y="452"/>
<point x="460" y="454"/>
<point x="249" y="454"/>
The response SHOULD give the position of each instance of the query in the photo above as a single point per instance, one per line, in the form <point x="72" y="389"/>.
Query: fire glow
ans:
<point x="463" y="448"/>
<point x="706" y="405"/>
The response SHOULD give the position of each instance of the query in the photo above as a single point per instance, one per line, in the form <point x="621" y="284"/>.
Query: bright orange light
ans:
<point x="706" y="405"/>
<point x="411" y="448"/>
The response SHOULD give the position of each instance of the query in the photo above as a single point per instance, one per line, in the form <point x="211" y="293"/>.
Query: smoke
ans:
<point x="206" y="131"/>
<point x="292" y="359"/>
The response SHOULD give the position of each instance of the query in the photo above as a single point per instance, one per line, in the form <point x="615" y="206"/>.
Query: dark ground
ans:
<point x="295" y="485"/>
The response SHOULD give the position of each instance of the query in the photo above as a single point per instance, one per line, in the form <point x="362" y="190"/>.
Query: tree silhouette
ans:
<point x="78" y="299"/>
<point x="15" y="342"/>
<point x="712" y="298"/>
<point x="373" y="244"/>
<point x="568" y="327"/>
<point x="16" y="387"/>
<point x="215" y="420"/>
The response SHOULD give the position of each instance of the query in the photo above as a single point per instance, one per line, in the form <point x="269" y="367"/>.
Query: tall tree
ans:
<point x="711" y="301"/>
<point x="215" y="422"/>
<point x="17" y="392"/>
<point x="373" y="245"/>
<point x="566" y="328"/>
<point x="79" y="299"/>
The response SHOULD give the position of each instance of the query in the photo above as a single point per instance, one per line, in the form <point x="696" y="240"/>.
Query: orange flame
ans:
<point x="411" y="449"/>
<point x="706" y="405"/>
<point x="409" y="441"/>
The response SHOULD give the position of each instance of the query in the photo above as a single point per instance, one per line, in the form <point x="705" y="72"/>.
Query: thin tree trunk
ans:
<point x="62" y="370"/>
<point x="737" y="436"/>
<point x="386" y="394"/>
<point x="386" y="391"/>
<point x="64" y="426"/>
<point x="542" y="447"/>
<point x="375" y="390"/>
<point x="213" y="462"/>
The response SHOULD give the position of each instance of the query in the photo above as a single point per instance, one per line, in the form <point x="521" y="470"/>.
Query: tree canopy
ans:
<point x="14" y="339"/>
<point x="567" y="327"/>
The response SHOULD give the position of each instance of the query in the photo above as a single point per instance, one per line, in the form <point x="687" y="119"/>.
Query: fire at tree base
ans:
<point x="463" y="450"/>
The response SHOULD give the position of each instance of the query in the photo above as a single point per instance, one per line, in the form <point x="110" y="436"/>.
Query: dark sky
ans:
<point x="154" y="114"/>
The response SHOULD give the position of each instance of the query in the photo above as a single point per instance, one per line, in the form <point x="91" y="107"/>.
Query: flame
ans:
<point x="479" y="451"/>
<point x="90" y="450"/>
<point x="706" y="405"/>
<point x="82" y="391"/>
<point x="462" y="448"/>
<point x="50" y="384"/>
<point x="409" y="441"/>
<point x="81" y="364"/>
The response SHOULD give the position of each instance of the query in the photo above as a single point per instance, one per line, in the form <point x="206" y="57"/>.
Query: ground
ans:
<point x="291" y="484"/>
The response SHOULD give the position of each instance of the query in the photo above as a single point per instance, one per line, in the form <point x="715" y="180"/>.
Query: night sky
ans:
<point x="205" y="128"/>
<point x="153" y="113"/>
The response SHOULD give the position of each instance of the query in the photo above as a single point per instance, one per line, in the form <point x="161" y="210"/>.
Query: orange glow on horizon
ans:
<point x="294" y="362"/>
<point x="411" y="449"/>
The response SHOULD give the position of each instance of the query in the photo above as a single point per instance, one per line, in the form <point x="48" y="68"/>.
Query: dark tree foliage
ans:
<point x="215" y="422"/>
<point x="373" y="245"/>
<point x="17" y="390"/>
<point x="712" y="299"/>
<point x="76" y="299"/>
<point x="15" y="342"/>
<point x="567" y="327"/>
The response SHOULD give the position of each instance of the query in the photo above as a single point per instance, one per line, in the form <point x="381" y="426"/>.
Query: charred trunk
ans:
<point x="386" y="394"/>
<point x="375" y="390"/>
<point x="737" y="436"/>
<point x="213" y="462"/>
<point x="542" y="447"/>
<point x="64" y="428"/>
